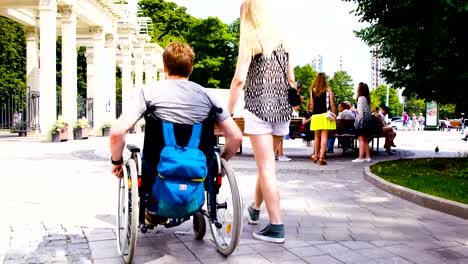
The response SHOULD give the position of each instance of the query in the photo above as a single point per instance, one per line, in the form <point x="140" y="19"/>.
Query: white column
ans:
<point x="69" y="67"/>
<point x="32" y="71"/>
<point x="32" y="59"/>
<point x="148" y="71"/>
<point x="110" y="75"/>
<point x="127" y="83"/>
<point x="97" y="84"/>
<point x="48" y="38"/>
<point x="138" y="69"/>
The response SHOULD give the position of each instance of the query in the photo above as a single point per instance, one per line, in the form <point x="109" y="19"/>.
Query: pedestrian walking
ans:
<point x="264" y="71"/>
<point x="322" y="105"/>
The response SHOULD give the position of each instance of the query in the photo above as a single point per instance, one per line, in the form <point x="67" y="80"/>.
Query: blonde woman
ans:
<point x="321" y="100"/>
<point x="264" y="71"/>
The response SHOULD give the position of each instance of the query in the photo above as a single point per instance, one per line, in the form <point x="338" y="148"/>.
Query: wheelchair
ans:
<point x="222" y="207"/>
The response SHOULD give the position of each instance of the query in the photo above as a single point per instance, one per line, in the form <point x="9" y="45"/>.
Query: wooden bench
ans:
<point x="347" y="138"/>
<point x="218" y="133"/>
<point x="455" y="124"/>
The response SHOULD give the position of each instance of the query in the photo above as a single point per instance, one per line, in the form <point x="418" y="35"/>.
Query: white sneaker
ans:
<point x="359" y="160"/>
<point x="284" y="158"/>
<point x="368" y="160"/>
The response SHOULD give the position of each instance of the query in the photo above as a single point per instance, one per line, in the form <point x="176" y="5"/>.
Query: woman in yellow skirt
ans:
<point x="322" y="105"/>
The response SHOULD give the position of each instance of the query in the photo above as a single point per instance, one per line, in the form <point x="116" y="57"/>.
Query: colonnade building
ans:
<point x="114" y="36"/>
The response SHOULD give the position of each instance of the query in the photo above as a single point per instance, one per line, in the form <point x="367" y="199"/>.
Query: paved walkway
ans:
<point x="58" y="206"/>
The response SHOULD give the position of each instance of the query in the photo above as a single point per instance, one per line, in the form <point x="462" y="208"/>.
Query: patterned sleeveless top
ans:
<point x="266" y="87"/>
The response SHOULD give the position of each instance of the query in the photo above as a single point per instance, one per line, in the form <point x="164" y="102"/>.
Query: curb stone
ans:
<point x="422" y="199"/>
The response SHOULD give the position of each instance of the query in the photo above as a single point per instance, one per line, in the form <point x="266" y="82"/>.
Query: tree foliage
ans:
<point x="379" y="97"/>
<point x="214" y="60"/>
<point x="215" y="43"/>
<point x="12" y="55"/>
<point x="170" y="21"/>
<point x="342" y="87"/>
<point x="425" y="42"/>
<point x="414" y="105"/>
<point x="305" y="74"/>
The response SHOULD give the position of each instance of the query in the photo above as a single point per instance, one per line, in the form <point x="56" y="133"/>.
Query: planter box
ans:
<point x="64" y="133"/>
<point x="105" y="132"/>
<point x="80" y="133"/>
<point x="55" y="137"/>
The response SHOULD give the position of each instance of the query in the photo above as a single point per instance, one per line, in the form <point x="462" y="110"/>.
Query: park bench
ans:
<point x="218" y="133"/>
<point x="455" y="124"/>
<point x="347" y="138"/>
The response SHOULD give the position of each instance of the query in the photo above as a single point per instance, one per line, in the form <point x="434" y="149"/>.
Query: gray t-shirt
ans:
<point x="177" y="101"/>
<point x="346" y="114"/>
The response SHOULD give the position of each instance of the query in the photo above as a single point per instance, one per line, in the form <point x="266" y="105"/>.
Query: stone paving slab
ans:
<point x="66" y="211"/>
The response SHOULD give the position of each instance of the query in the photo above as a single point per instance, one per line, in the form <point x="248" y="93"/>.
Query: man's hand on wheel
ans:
<point x="117" y="170"/>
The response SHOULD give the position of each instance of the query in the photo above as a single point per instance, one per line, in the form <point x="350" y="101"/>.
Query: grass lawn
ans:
<point x="442" y="177"/>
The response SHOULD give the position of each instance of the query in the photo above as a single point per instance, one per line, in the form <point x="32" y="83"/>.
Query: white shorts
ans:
<point x="255" y="126"/>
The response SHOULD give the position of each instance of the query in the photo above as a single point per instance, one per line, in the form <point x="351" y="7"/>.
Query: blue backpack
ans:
<point x="179" y="188"/>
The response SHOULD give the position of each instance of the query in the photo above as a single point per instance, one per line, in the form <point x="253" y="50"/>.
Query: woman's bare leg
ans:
<point x="367" y="147"/>
<point x="362" y="146"/>
<point x="266" y="189"/>
<point x="317" y="143"/>
<point x="323" y="143"/>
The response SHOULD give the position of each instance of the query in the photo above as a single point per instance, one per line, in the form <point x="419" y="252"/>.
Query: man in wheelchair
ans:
<point x="182" y="104"/>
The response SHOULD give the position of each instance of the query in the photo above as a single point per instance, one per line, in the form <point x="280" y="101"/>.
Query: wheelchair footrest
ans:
<point x="176" y="221"/>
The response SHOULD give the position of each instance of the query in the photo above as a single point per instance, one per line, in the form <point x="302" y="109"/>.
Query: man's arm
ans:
<point x="117" y="140"/>
<point x="233" y="137"/>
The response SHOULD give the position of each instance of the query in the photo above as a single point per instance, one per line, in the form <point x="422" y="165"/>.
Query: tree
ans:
<point x="342" y="87"/>
<point x="170" y="21"/>
<point x="305" y="74"/>
<point x="215" y="43"/>
<point x="379" y="96"/>
<point x="447" y="110"/>
<point x="414" y="105"/>
<point x="427" y="49"/>
<point x="12" y="56"/>
<point x="214" y="59"/>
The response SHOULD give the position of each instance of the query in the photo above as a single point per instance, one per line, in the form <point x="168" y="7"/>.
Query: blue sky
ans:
<point x="313" y="27"/>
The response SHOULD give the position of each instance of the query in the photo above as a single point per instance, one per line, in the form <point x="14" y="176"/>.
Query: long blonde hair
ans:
<point x="319" y="85"/>
<point x="257" y="32"/>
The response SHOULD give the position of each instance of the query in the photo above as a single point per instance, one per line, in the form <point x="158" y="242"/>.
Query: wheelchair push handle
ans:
<point x="135" y="155"/>
<point x="133" y="148"/>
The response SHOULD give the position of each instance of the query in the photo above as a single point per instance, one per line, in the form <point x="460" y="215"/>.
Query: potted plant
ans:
<point x="142" y="127"/>
<point x="106" y="129"/>
<point x="59" y="131"/>
<point x="80" y="129"/>
<point x="20" y="128"/>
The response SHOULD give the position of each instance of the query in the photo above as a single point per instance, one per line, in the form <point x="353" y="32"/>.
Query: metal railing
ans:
<point x="19" y="109"/>
<point x="85" y="108"/>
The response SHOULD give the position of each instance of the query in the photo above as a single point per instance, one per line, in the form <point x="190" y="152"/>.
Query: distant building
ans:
<point x="377" y="65"/>
<point x="317" y="63"/>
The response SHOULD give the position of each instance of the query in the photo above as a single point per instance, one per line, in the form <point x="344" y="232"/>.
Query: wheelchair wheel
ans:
<point x="228" y="210"/>
<point x="127" y="214"/>
<point x="199" y="226"/>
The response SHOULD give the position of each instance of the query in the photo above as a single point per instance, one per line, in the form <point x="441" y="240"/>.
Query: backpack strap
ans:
<point x="196" y="135"/>
<point x="169" y="137"/>
<point x="168" y="132"/>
